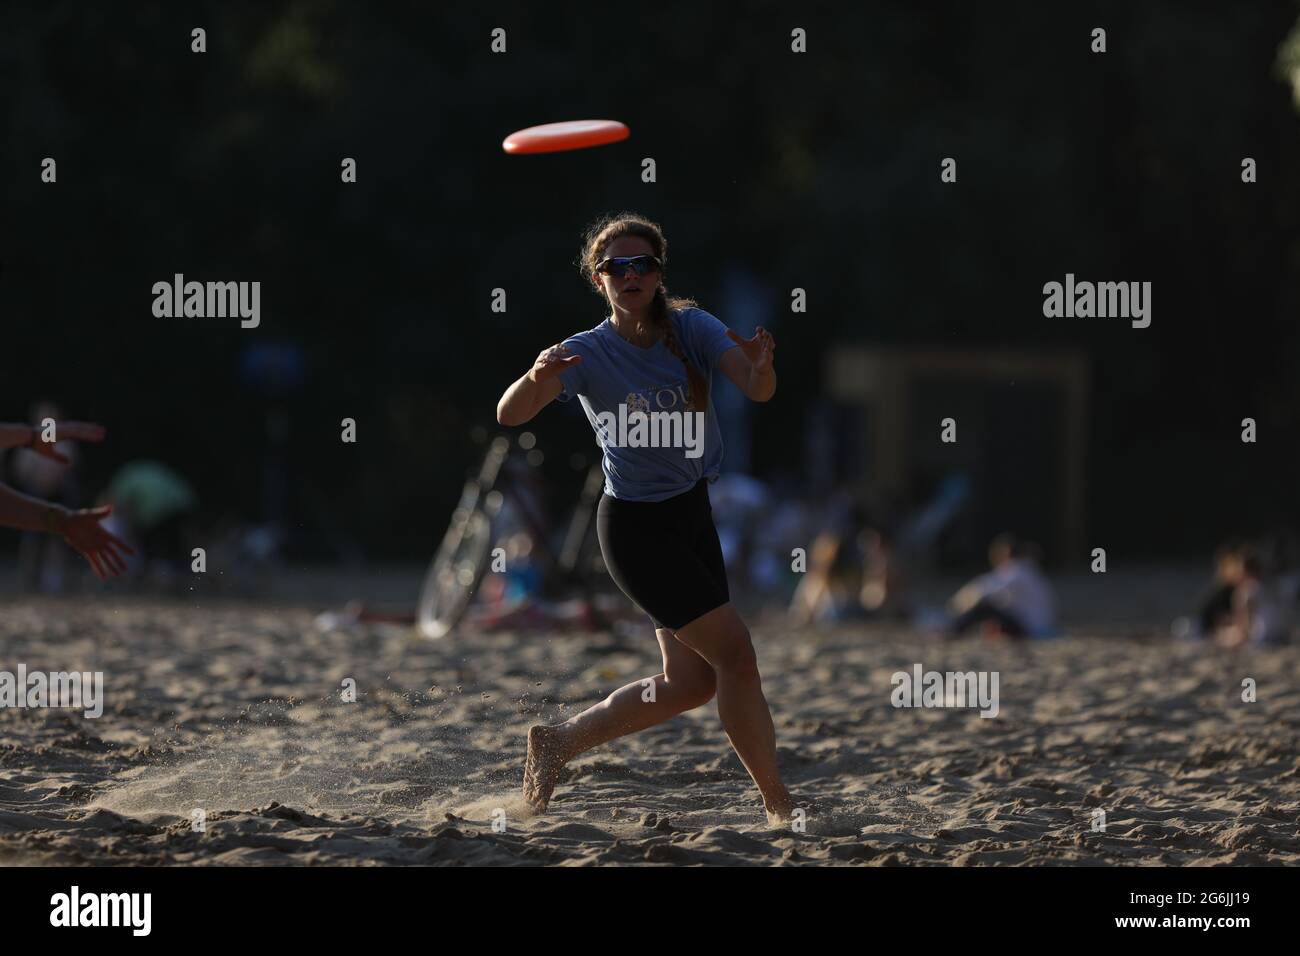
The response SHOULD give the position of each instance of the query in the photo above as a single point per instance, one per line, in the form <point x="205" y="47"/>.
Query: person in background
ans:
<point x="1215" y="609"/>
<point x="1280" y="551"/>
<point x="852" y="572"/>
<point x="828" y="591"/>
<point x="81" y="529"/>
<point x="41" y="558"/>
<point x="1257" y="614"/>
<point x="156" y="507"/>
<point x="883" y="592"/>
<point x="1014" y="599"/>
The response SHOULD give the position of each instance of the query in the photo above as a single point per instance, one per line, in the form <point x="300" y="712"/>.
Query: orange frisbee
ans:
<point x="556" y="137"/>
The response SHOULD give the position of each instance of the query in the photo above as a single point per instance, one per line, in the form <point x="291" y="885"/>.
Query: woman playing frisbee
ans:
<point x="81" y="529"/>
<point x="657" y="354"/>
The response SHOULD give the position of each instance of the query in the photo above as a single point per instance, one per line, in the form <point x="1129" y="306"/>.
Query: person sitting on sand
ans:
<point x="883" y="593"/>
<point x="1257" y="615"/>
<point x="80" y="528"/>
<point x="1215" y="609"/>
<point x="851" y="576"/>
<point x="654" y="521"/>
<point x="1013" y="600"/>
<point x="828" y="592"/>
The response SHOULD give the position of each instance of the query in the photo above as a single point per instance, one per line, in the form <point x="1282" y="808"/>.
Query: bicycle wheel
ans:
<point x="455" y="574"/>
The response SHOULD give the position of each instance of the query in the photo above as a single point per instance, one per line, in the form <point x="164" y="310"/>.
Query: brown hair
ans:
<point x="594" y="242"/>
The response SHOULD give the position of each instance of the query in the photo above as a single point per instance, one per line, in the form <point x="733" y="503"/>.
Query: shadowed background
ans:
<point x="818" y="171"/>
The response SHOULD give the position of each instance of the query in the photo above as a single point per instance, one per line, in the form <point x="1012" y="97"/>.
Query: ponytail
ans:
<point x="660" y="315"/>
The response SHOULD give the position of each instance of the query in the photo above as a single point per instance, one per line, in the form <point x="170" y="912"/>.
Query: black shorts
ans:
<point x="665" y="555"/>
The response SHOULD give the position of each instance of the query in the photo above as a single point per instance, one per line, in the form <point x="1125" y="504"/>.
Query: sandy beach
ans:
<point x="236" y="710"/>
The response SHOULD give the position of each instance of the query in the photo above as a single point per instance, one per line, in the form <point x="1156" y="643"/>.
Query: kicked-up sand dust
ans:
<point x="234" y="715"/>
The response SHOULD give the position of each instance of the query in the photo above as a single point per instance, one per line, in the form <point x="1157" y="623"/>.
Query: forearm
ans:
<point x="520" y="403"/>
<point x="15" y="436"/>
<point x="761" y="385"/>
<point x="29" y="514"/>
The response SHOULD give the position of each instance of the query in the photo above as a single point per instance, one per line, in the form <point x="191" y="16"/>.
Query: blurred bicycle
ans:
<point x="502" y="501"/>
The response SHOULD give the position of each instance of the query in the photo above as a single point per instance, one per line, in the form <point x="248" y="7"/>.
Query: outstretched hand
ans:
<point x="82" y="530"/>
<point x="760" y="350"/>
<point x="552" y="362"/>
<point x="68" y="431"/>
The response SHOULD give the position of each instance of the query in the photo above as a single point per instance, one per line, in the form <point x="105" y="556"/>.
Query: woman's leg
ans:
<point x="687" y="682"/>
<point x="722" y="639"/>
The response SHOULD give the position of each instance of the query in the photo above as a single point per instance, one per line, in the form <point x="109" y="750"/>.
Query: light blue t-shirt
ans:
<point x="615" y="372"/>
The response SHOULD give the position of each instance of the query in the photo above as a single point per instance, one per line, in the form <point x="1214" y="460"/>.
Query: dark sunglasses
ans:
<point x="618" y="266"/>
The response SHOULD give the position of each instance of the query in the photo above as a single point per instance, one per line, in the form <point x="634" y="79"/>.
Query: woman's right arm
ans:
<point x="537" y="387"/>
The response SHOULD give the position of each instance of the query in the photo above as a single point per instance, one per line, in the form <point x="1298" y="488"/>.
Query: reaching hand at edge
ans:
<point x="82" y="530"/>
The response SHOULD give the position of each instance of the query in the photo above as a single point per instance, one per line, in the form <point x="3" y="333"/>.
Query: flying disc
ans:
<point x="556" y="137"/>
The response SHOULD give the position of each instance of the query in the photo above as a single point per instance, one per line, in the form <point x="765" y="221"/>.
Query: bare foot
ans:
<point x="780" y="810"/>
<point x="777" y="818"/>
<point x="802" y="817"/>
<point x="542" y="766"/>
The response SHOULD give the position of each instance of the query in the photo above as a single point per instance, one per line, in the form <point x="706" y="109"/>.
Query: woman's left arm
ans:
<point x="751" y="366"/>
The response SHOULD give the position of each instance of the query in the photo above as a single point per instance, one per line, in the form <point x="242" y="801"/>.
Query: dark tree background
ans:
<point x="818" y="171"/>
